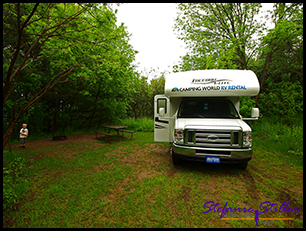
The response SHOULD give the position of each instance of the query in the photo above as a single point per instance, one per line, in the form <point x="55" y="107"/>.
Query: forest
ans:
<point x="68" y="66"/>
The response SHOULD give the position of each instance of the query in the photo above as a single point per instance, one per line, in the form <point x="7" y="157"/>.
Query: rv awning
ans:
<point x="212" y="83"/>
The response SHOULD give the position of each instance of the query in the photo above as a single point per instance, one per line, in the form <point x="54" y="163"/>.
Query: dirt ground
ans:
<point x="76" y="138"/>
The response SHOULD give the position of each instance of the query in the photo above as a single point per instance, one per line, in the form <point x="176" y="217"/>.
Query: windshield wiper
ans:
<point x="231" y="116"/>
<point x="218" y="115"/>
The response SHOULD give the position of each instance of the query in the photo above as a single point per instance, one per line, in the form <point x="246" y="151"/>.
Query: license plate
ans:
<point x="213" y="159"/>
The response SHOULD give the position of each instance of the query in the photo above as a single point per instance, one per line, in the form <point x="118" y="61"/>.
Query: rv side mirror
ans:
<point x="255" y="112"/>
<point x="161" y="111"/>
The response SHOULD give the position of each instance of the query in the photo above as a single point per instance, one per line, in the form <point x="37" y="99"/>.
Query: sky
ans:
<point x="151" y="26"/>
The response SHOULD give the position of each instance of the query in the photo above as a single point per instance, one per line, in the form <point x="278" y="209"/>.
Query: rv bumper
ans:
<point x="234" y="156"/>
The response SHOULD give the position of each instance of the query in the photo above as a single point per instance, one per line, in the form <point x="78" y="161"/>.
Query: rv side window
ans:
<point x="161" y="103"/>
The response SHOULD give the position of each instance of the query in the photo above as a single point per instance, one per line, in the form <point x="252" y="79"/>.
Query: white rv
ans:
<point x="199" y="116"/>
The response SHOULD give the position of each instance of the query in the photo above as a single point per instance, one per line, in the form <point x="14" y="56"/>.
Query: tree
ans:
<point x="219" y="31"/>
<point x="140" y="99"/>
<point x="286" y="38"/>
<point x="281" y="78"/>
<point x="44" y="45"/>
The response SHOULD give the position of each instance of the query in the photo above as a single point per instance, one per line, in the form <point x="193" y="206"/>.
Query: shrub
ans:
<point x="279" y="136"/>
<point x="246" y="105"/>
<point x="140" y="125"/>
<point x="13" y="184"/>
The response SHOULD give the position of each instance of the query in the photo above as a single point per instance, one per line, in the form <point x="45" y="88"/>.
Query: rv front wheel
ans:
<point x="243" y="165"/>
<point x="175" y="160"/>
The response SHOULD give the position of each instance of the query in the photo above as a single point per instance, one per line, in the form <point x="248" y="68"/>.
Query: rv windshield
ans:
<point x="207" y="108"/>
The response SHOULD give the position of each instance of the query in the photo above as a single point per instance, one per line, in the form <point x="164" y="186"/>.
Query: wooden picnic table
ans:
<point x="115" y="127"/>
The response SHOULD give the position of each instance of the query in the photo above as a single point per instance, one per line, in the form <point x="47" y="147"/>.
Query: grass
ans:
<point x="133" y="183"/>
<point x="279" y="136"/>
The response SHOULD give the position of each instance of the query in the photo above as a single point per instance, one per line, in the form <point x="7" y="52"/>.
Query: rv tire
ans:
<point x="243" y="165"/>
<point x="175" y="160"/>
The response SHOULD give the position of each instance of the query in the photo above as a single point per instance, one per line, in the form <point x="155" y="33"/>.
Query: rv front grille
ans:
<point x="213" y="138"/>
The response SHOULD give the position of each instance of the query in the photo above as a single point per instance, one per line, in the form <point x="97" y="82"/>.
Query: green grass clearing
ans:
<point x="133" y="183"/>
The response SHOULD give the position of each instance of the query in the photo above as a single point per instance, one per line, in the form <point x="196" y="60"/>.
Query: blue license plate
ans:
<point x="213" y="159"/>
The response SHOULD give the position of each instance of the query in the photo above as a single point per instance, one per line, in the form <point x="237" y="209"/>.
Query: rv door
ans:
<point x="161" y="118"/>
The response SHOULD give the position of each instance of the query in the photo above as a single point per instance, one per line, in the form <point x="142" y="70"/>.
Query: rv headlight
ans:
<point x="247" y="139"/>
<point x="178" y="136"/>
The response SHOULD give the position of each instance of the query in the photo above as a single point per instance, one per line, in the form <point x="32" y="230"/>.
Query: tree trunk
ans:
<point x="101" y="117"/>
<point x="94" y="110"/>
<point x="134" y="111"/>
<point x="242" y="59"/>
<point x="56" y="109"/>
<point x="10" y="129"/>
<point x="265" y="70"/>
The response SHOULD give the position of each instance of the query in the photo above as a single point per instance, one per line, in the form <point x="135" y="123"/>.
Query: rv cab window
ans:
<point x="207" y="108"/>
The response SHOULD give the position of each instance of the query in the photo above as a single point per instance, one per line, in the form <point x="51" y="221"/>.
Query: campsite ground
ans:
<point x="85" y="182"/>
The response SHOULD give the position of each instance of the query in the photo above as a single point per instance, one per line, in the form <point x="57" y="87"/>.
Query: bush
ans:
<point x="13" y="184"/>
<point x="279" y="136"/>
<point x="140" y="125"/>
<point x="284" y="100"/>
<point x="246" y="105"/>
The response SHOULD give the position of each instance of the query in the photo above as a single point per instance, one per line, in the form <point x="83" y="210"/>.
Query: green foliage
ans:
<point x="140" y="100"/>
<point x="14" y="186"/>
<point x="143" y="124"/>
<point x="219" y="35"/>
<point x="283" y="99"/>
<point x="279" y="136"/>
<point x="246" y="105"/>
<point x="79" y="67"/>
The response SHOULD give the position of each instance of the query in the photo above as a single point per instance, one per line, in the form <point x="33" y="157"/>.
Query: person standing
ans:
<point x="23" y="135"/>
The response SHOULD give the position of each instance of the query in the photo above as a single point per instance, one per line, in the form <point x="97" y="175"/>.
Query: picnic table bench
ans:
<point x="128" y="131"/>
<point x="105" y="134"/>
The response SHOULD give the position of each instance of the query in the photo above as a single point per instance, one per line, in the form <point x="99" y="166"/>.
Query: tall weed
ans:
<point x="280" y="137"/>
